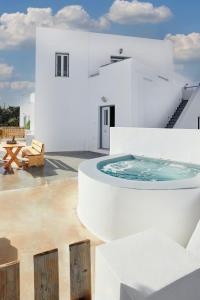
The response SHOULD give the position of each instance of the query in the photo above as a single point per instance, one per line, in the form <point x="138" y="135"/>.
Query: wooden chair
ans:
<point x="34" y="154"/>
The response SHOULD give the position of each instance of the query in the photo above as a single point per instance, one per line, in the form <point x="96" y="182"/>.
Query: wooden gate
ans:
<point x="46" y="275"/>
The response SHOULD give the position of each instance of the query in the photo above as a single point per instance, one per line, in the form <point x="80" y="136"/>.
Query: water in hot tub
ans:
<point x="147" y="169"/>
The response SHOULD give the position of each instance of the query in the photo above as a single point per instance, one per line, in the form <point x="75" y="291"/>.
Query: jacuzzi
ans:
<point x="113" y="206"/>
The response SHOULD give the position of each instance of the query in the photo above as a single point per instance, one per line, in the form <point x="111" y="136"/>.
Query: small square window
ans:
<point x="62" y="65"/>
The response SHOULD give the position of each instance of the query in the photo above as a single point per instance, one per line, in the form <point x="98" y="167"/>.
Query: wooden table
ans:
<point x="11" y="154"/>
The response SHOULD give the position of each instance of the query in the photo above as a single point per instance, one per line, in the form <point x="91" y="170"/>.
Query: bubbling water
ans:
<point x="147" y="169"/>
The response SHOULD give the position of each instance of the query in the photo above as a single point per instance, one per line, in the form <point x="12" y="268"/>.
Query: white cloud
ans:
<point x="134" y="12"/>
<point x="75" y="16"/>
<point x="16" y="28"/>
<point x="6" y="70"/>
<point x="19" y="28"/>
<point x="186" y="47"/>
<point x="16" y="85"/>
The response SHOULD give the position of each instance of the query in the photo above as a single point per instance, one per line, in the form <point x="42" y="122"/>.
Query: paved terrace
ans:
<point x="61" y="165"/>
<point x="38" y="213"/>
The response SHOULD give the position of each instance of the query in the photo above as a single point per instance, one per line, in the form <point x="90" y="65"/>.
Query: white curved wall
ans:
<point x="112" y="211"/>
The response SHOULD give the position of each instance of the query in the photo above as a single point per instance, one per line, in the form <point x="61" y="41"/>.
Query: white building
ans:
<point x="89" y="82"/>
<point x="27" y="112"/>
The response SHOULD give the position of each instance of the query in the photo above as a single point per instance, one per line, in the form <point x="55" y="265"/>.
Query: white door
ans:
<point x="105" y="127"/>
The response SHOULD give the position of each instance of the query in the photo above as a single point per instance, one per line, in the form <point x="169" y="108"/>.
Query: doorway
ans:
<point x="107" y="120"/>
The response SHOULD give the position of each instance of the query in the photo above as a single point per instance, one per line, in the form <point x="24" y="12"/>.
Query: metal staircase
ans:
<point x="177" y="114"/>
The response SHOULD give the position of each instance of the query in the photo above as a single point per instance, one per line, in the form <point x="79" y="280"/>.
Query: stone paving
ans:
<point x="57" y="166"/>
<point x="38" y="219"/>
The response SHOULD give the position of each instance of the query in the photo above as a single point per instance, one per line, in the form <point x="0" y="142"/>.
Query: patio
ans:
<point x="38" y="213"/>
<point x="39" y="219"/>
<point x="58" y="166"/>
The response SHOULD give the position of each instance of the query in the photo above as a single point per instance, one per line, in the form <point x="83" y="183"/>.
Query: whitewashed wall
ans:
<point x="155" y="96"/>
<point x="141" y="98"/>
<point x="61" y="102"/>
<point x="175" y="144"/>
<point x="113" y="83"/>
<point x="67" y="109"/>
<point x="156" y="54"/>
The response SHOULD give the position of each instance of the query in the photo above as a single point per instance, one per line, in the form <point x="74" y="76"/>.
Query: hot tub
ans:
<point x="125" y="194"/>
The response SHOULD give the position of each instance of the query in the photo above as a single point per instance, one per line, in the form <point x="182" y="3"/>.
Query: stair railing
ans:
<point x="192" y="86"/>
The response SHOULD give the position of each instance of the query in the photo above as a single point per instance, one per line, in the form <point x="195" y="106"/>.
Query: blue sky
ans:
<point x="177" y="19"/>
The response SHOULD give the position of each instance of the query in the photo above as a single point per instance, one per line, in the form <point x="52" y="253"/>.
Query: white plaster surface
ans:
<point x="113" y="207"/>
<point x="194" y="243"/>
<point x="147" y="265"/>
<point x="175" y="144"/>
<point x="67" y="109"/>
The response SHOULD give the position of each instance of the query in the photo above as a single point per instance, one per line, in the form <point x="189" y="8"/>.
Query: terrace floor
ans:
<point x="39" y="219"/>
<point x="59" y="165"/>
<point x="38" y="213"/>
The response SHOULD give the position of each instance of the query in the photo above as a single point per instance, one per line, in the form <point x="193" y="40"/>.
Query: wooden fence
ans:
<point x="46" y="275"/>
<point x="8" y="132"/>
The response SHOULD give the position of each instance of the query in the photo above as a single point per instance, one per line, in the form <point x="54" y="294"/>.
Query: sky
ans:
<point x="177" y="20"/>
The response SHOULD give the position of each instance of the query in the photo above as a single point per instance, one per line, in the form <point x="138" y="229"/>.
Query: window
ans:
<point x="62" y="65"/>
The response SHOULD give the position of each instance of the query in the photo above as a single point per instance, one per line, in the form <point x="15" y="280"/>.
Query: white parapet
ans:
<point x="148" y="265"/>
<point x="194" y="243"/>
<point x="174" y="144"/>
<point x="113" y="207"/>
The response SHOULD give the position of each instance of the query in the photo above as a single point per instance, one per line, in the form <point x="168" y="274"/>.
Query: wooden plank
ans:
<point x="37" y="143"/>
<point x="80" y="271"/>
<point x="46" y="277"/>
<point x="37" y="148"/>
<point x="9" y="282"/>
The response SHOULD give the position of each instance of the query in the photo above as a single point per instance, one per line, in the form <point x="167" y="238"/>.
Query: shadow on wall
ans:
<point x="8" y="253"/>
<point x="185" y="288"/>
<point x="127" y="293"/>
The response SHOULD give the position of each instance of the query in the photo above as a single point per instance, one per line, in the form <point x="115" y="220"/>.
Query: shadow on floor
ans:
<point x="8" y="253"/>
<point x="76" y="154"/>
<point x="58" y="165"/>
<point x="50" y="168"/>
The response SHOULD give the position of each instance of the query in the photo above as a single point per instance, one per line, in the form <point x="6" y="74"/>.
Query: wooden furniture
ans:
<point x="35" y="154"/>
<point x="7" y="132"/>
<point x="12" y="151"/>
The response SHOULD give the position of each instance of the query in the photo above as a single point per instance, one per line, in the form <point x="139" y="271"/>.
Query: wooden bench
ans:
<point x="35" y="154"/>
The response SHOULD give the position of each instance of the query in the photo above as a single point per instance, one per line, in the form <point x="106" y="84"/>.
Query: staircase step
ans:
<point x="177" y="114"/>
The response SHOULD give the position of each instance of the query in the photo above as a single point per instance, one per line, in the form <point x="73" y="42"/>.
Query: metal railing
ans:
<point x="192" y="86"/>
